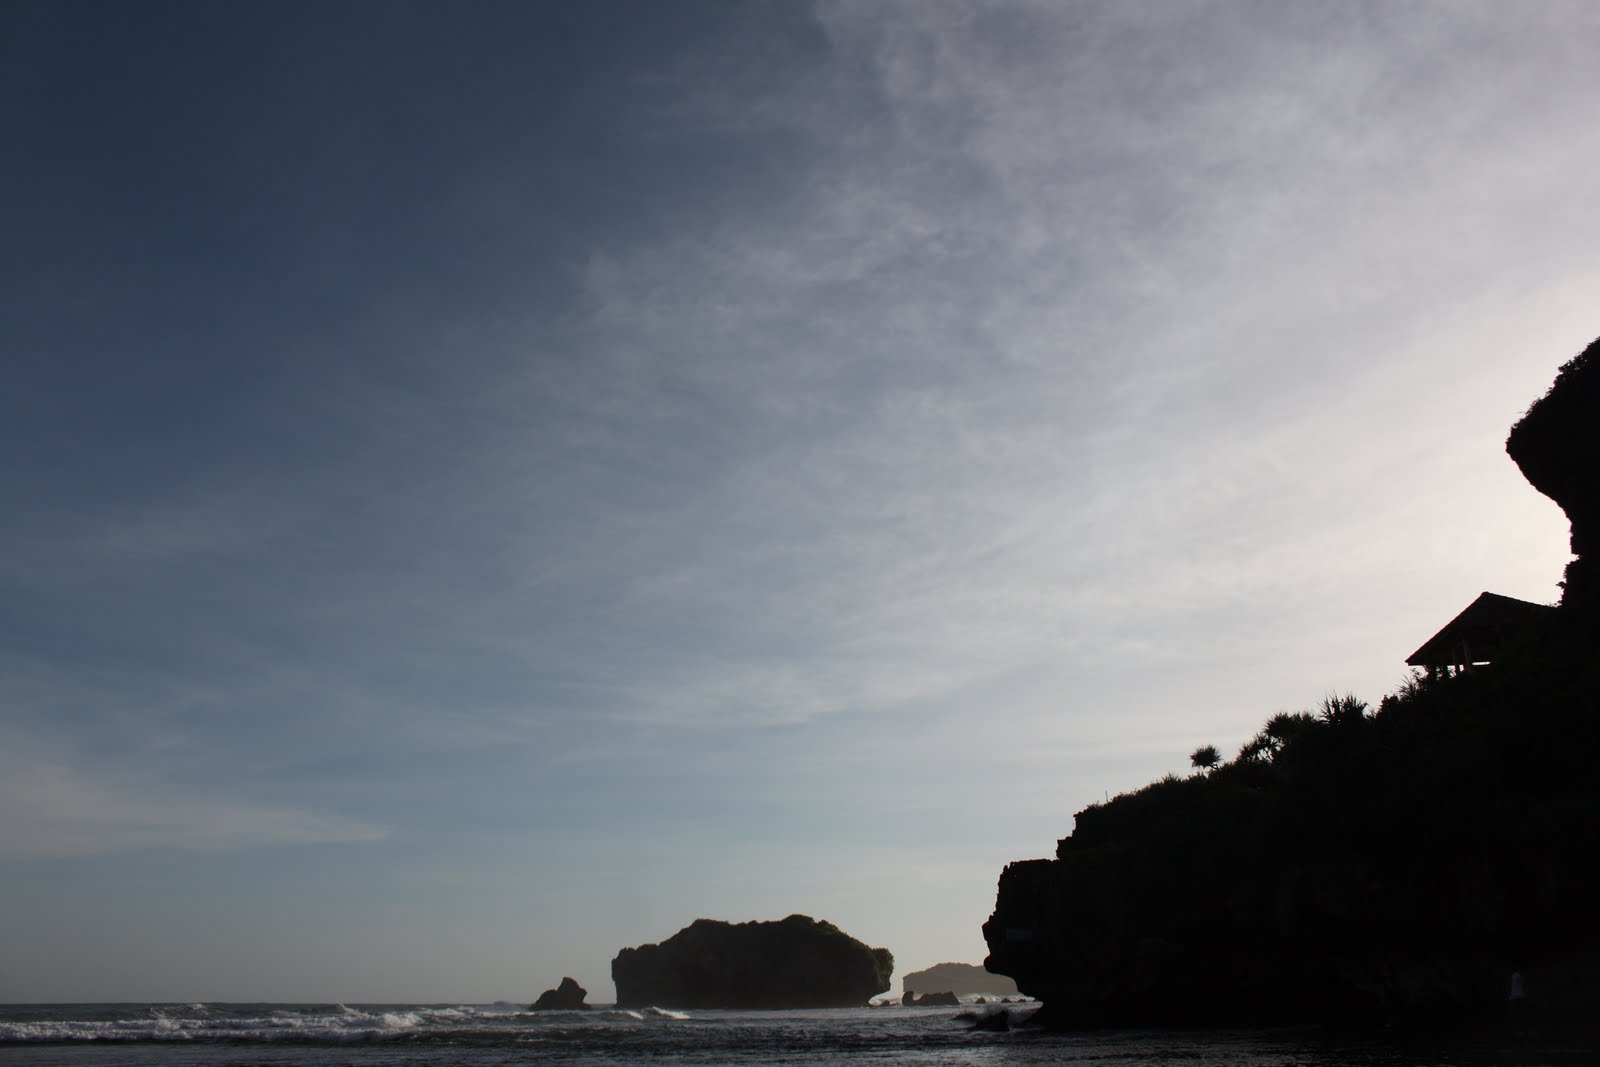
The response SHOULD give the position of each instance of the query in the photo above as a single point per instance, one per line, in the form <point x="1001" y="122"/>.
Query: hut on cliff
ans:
<point x="1475" y="637"/>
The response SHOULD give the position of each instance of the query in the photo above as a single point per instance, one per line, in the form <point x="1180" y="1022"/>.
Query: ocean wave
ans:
<point x="665" y="1013"/>
<point x="321" y="1024"/>
<point x="199" y="1023"/>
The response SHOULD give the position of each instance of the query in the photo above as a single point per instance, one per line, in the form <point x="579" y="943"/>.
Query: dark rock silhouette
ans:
<point x="941" y="999"/>
<point x="1357" y="865"/>
<point x="957" y="978"/>
<point x="799" y="962"/>
<point x="1557" y="446"/>
<point x="568" y="996"/>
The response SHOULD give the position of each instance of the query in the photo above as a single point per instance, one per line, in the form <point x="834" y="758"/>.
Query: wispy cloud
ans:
<point x="53" y="808"/>
<point x="1032" y="348"/>
<point x="1037" y="352"/>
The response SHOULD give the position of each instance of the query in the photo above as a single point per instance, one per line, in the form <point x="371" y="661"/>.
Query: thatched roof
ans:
<point x="1475" y="636"/>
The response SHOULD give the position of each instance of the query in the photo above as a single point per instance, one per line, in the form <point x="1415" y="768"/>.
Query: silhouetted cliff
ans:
<point x="797" y="963"/>
<point x="1557" y="446"/>
<point x="1388" y="865"/>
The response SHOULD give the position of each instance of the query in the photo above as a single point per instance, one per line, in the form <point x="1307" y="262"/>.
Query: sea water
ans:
<point x="424" y="1035"/>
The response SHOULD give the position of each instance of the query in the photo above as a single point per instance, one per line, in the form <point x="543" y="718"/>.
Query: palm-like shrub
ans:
<point x="1342" y="710"/>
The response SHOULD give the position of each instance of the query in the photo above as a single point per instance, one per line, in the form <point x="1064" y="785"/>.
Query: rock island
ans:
<point x="799" y="962"/>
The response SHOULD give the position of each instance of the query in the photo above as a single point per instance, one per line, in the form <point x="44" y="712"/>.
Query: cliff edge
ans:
<point x="1557" y="447"/>
<point x="1356" y="865"/>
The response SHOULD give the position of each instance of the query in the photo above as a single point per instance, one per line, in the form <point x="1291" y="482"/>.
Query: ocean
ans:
<point x="435" y="1035"/>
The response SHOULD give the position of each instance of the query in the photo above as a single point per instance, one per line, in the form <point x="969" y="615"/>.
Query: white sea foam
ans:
<point x="633" y="1015"/>
<point x="665" y="1013"/>
<point x="330" y="1024"/>
<point x="200" y="1023"/>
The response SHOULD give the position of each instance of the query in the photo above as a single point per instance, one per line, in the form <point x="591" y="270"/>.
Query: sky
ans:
<point x="487" y="484"/>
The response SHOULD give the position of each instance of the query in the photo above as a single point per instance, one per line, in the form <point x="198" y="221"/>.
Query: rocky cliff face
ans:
<point x="1377" y="867"/>
<point x="799" y="962"/>
<point x="1557" y="445"/>
<point x="1395" y="868"/>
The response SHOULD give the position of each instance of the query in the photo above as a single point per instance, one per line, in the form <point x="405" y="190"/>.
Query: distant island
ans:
<point x="1429" y="860"/>
<point x="958" y="978"/>
<point x="798" y="962"/>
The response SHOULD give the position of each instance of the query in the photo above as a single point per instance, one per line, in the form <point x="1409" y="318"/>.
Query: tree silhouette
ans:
<point x="1205" y="757"/>
<point x="1342" y="710"/>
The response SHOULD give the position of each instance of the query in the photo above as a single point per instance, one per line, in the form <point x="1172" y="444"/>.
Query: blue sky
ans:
<point x="489" y="484"/>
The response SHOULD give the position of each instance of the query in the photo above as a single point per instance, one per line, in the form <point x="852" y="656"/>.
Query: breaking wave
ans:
<point x="311" y="1024"/>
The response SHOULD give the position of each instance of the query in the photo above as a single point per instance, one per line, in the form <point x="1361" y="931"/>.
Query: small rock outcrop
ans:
<point x="799" y="962"/>
<point x="941" y="999"/>
<point x="958" y="978"/>
<point x="1557" y="446"/>
<point x="568" y="996"/>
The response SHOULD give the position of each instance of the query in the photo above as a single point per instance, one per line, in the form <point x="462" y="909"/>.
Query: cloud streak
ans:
<point x="946" y="412"/>
<point x="53" y="809"/>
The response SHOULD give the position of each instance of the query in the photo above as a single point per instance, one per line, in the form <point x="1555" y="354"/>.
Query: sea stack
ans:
<point x="958" y="978"/>
<point x="568" y="996"/>
<point x="799" y="962"/>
